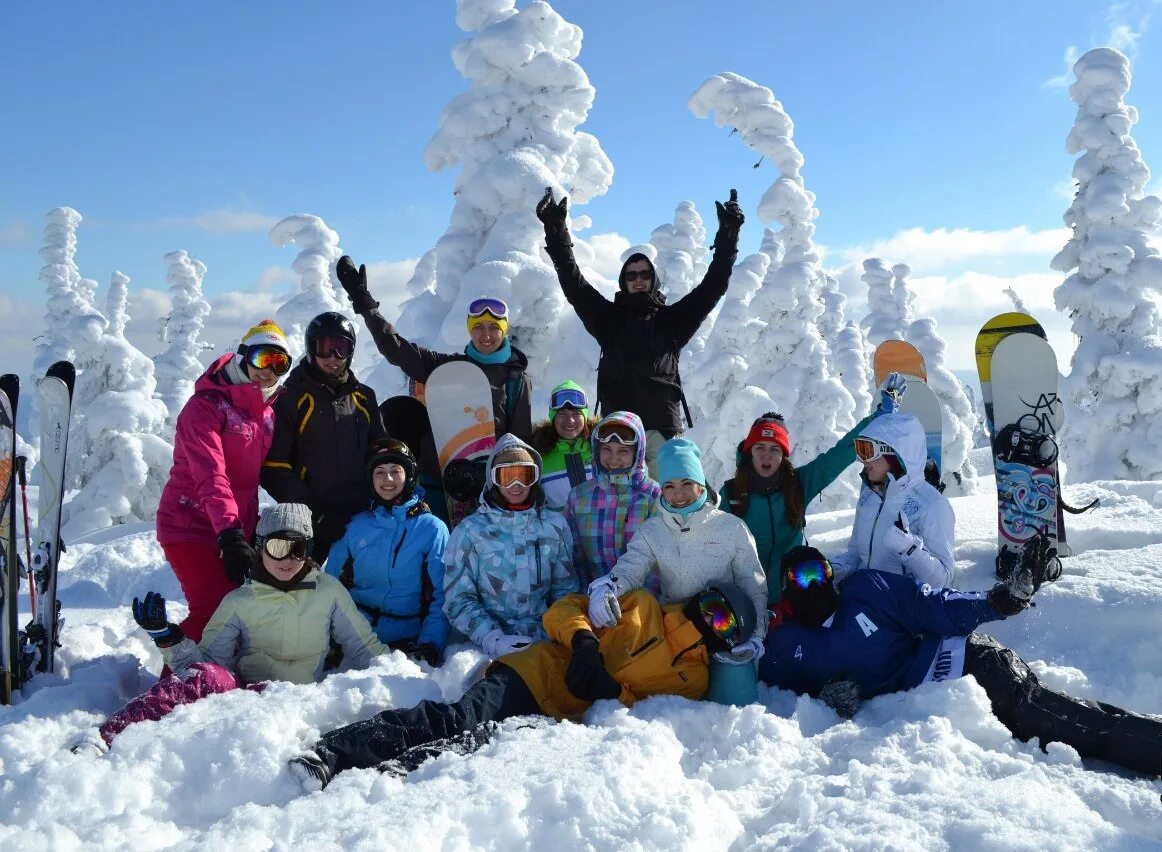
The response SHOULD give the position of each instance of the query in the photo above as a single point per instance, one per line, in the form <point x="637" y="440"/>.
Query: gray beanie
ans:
<point x="286" y="517"/>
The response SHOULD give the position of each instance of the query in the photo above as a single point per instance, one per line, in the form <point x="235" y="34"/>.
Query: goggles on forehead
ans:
<point x="614" y="438"/>
<point x="488" y="305"/>
<point x="803" y="574"/>
<point x="719" y="617"/>
<point x="268" y="358"/>
<point x="333" y="347"/>
<point x="869" y="449"/>
<point x="504" y="475"/>
<point x="279" y="546"/>
<point x="568" y="396"/>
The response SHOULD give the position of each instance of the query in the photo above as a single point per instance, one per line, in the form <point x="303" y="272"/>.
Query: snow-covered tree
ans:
<point x="960" y="420"/>
<point x="178" y="366"/>
<point x="315" y="265"/>
<point x="117" y="457"/>
<point x="851" y="362"/>
<point x="512" y="133"/>
<point x="887" y="301"/>
<point x="682" y="253"/>
<point x="61" y="279"/>
<point x="902" y="295"/>
<point x="790" y="363"/>
<point x="1115" y="382"/>
<point x="1015" y="298"/>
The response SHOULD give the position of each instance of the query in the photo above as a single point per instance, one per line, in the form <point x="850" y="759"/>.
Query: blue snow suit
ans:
<point x="884" y="635"/>
<point x="396" y="560"/>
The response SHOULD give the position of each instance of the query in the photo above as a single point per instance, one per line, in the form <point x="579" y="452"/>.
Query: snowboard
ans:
<point x="898" y="356"/>
<point x="406" y="419"/>
<point x="459" y="401"/>
<point x="9" y="572"/>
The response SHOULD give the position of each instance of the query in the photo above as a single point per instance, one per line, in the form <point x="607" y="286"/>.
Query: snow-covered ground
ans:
<point x="930" y="769"/>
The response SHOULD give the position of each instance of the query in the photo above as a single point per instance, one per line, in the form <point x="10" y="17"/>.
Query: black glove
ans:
<point x="424" y="652"/>
<point x="1039" y="556"/>
<point x="551" y="213"/>
<point x="150" y="617"/>
<point x="354" y="283"/>
<point x="841" y="694"/>
<point x="587" y="677"/>
<point x="237" y="554"/>
<point x="730" y="219"/>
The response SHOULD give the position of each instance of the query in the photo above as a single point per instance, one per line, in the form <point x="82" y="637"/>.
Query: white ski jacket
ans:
<point x="924" y="549"/>
<point x="709" y="546"/>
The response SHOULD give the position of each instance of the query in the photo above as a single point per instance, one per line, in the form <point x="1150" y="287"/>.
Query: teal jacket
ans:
<point x="766" y="516"/>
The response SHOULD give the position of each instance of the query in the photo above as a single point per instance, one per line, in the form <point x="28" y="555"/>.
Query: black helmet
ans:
<point x="329" y="324"/>
<point x="709" y="601"/>
<point x="392" y="451"/>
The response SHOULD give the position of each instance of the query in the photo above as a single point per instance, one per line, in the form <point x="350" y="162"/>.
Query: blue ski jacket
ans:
<point x="884" y="635"/>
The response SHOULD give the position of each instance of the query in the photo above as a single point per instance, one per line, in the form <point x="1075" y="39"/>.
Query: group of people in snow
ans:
<point x="599" y="563"/>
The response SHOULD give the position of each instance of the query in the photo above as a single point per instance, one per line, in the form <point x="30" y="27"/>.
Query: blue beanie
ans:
<point x="679" y="458"/>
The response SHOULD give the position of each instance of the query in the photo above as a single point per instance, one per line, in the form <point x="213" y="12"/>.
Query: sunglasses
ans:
<point x="804" y="574"/>
<point x="488" y="305"/>
<point x="719" y="616"/>
<point x="570" y="397"/>
<point x="504" y="475"/>
<point x="869" y="449"/>
<point x="268" y="358"/>
<point x="614" y="438"/>
<point x="638" y="275"/>
<point x="281" y="549"/>
<point x="334" y="347"/>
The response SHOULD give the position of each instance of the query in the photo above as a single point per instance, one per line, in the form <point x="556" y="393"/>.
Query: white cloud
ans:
<point x="220" y="221"/>
<point x="1126" y="23"/>
<point x="929" y="250"/>
<point x="388" y="279"/>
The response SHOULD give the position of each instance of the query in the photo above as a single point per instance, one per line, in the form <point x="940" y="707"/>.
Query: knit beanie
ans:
<point x="679" y="458"/>
<point x="286" y="518"/>
<point x="767" y="428"/>
<point x="266" y="333"/>
<point x="488" y="317"/>
<point x="514" y="455"/>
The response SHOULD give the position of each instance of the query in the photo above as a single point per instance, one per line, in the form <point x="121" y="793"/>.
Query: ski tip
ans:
<point x="65" y="371"/>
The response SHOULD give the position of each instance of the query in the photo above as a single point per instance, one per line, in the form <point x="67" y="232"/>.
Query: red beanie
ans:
<point x="765" y="429"/>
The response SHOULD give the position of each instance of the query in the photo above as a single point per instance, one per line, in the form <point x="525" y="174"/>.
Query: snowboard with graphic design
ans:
<point x="459" y="403"/>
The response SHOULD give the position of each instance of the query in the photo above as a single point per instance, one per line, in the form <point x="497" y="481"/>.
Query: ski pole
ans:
<point x="21" y="467"/>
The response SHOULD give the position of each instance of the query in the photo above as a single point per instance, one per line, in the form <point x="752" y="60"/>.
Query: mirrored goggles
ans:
<point x="804" y="574"/>
<point x="869" y="449"/>
<point x="334" y="347"/>
<point x="488" y="305"/>
<point x="280" y="548"/>
<point x="268" y="358"/>
<point x="614" y="438"/>
<point x="570" y="397"/>
<point x="719" y="616"/>
<point x="504" y="475"/>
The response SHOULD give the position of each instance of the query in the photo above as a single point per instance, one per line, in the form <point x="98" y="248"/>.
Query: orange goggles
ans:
<point x="505" y="475"/>
<point x="869" y="449"/>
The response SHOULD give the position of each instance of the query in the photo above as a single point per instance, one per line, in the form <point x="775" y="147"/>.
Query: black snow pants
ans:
<point x="1029" y="710"/>
<point x="388" y="735"/>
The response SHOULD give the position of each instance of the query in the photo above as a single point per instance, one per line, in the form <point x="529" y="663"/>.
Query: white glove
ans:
<point x="496" y="643"/>
<point x="604" y="610"/>
<point x="744" y="652"/>
<point x="900" y="540"/>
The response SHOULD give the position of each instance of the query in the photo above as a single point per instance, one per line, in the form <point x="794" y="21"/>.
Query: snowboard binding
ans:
<point x="1020" y="445"/>
<point x="464" y="479"/>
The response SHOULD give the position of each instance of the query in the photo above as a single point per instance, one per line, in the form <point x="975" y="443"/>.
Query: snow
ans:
<point x="928" y="769"/>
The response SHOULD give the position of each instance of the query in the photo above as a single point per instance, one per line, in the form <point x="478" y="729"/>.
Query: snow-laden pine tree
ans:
<point x="512" y="133"/>
<point x="315" y="265"/>
<point x="885" y="318"/>
<point x="902" y="295"/>
<point x="791" y="359"/>
<point x="1015" y="298"/>
<point x="61" y="279"/>
<point x="833" y="318"/>
<point x="1113" y="428"/>
<point x="117" y="455"/>
<point x="178" y="367"/>
<point x="682" y="257"/>
<point x="852" y="359"/>
<point x="959" y="415"/>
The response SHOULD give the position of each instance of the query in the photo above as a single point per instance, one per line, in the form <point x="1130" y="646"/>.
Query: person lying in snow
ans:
<point x="278" y="626"/>
<point x="653" y="650"/>
<point x="880" y="632"/>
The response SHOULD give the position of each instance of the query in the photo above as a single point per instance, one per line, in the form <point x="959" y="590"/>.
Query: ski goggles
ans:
<point x="280" y="547"/>
<point x="504" y="475"/>
<point x="719" y="616"/>
<point x="568" y="397"/>
<point x="334" y="347"/>
<point x="803" y="574"/>
<point x="488" y="305"/>
<point x="869" y="449"/>
<point x="268" y="358"/>
<point x="614" y="438"/>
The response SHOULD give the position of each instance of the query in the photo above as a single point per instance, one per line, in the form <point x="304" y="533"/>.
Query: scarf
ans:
<point x="500" y="356"/>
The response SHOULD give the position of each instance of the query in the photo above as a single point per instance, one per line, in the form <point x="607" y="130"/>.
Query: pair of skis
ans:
<point x="30" y="651"/>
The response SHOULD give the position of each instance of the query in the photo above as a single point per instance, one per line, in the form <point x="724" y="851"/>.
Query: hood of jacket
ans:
<point x="505" y="442"/>
<point x="904" y="434"/>
<point x="247" y="397"/>
<point x="625" y="418"/>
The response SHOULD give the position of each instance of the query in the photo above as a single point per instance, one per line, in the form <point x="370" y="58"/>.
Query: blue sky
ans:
<point x="196" y="126"/>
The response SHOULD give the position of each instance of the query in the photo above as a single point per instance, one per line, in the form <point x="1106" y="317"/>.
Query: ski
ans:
<point x="9" y="607"/>
<point x="41" y="638"/>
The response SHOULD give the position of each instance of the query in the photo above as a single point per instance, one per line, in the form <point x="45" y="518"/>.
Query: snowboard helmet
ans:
<point x="392" y="451"/>
<point x="808" y="591"/>
<point x="330" y="324"/>
<point x="724" y="614"/>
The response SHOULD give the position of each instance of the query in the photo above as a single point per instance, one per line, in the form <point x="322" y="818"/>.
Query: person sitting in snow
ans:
<point x="391" y="557"/>
<point x="488" y="347"/>
<point x="771" y="495"/>
<point x="689" y="543"/>
<point x="653" y="650"/>
<point x="902" y="523"/>
<point x="508" y="561"/>
<point x="325" y="420"/>
<point x="209" y="505"/>
<point x="879" y="632"/>
<point x="278" y="626"/>
<point x="563" y="442"/>
<point x="604" y="513"/>
<point x="641" y="337"/>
